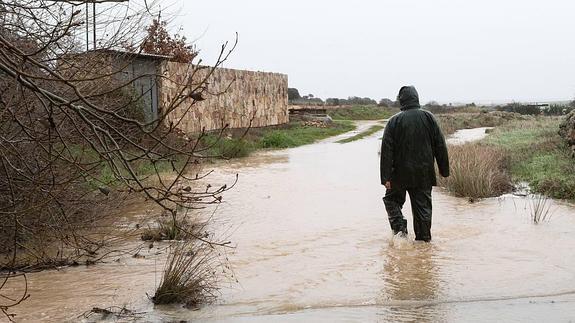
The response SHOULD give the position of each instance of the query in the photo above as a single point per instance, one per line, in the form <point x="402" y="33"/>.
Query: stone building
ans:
<point x="237" y="98"/>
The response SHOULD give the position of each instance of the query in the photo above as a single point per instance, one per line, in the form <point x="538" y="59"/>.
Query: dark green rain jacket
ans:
<point x="411" y="142"/>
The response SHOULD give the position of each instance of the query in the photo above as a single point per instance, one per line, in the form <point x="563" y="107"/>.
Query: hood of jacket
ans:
<point x="408" y="98"/>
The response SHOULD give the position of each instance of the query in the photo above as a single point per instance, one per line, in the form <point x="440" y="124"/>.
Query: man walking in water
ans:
<point x="412" y="141"/>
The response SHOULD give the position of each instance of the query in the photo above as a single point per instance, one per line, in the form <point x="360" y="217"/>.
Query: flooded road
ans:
<point x="314" y="245"/>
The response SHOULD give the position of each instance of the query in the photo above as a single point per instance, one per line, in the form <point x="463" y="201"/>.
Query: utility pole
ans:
<point x="87" y="2"/>
<point x="94" y="24"/>
<point x="87" y="30"/>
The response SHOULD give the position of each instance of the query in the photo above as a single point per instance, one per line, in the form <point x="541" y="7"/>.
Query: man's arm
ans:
<point x="386" y="159"/>
<point x="440" y="150"/>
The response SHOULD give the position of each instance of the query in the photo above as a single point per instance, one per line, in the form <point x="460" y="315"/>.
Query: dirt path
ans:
<point x="314" y="245"/>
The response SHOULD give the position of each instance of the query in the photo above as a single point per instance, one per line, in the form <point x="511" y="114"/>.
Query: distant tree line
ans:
<point x="387" y="103"/>
<point x="535" y="109"/>
<point x="525" y="109"/>
<point x="436" y="108"/>
<point x="352" y="100"/>
<point x="294" y="97"/>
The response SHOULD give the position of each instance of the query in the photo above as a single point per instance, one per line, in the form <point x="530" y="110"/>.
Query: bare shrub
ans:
<point x="73" y="143"/>
<point x="174" y="227"/>
<point x="191" y="275"/>
<point x="476" y="171"/>
<point x="114" y="313"/>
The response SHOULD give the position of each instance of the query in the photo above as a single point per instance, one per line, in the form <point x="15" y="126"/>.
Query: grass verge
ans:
<point x="235" y="144"/>
<point x="537" y="155"/>
<point x="361" y="113"/>
<point x="452" y="122"/>
<point x="519" y="151"/>
<point x="361" y="135"/>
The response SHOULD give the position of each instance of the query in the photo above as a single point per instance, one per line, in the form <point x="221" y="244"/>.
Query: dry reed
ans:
<point x="476" y="171"/>
<point x="190" y="275"/>
<point x="540" y="209"/>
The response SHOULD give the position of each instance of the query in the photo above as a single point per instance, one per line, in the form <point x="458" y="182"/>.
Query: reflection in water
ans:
<point x="312" y="246"/>
<point x="409" y="271"/>
<point x="410" y="275"/>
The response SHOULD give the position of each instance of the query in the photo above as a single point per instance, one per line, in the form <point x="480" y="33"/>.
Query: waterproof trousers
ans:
<point x="420" y="207"/>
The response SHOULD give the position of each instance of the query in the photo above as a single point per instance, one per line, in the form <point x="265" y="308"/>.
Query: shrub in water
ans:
<point x="190" y="275"/>
<point x="477" y="171"/>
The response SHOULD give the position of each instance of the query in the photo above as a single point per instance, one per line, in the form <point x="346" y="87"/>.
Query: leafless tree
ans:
<point x="73" y="143"/>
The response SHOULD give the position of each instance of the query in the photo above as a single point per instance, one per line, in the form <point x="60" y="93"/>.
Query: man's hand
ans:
<point x="388" y="185"/>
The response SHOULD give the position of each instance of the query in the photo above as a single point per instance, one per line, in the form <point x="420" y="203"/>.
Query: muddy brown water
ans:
<point x="314" y="245"/>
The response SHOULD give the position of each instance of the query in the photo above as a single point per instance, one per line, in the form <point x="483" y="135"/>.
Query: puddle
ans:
<point x="463" y="136"/>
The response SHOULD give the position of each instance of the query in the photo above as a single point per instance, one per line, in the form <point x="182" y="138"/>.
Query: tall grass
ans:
<point x="190" y="275"/>
<point x="226" y="147"/>
<point x="540" y="209"/>
<point x="476" y="171"/>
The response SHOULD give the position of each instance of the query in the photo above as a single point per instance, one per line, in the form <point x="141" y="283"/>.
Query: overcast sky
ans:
<point x="451" y="50"/>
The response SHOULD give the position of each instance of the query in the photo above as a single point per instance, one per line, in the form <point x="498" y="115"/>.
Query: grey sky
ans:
<point x="451" y="50"/>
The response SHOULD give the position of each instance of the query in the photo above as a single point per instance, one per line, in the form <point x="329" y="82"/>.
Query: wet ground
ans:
<point x="314" y="245"/>
<point x="466" y="135"/>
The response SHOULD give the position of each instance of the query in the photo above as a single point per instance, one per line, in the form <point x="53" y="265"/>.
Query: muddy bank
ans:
<point x="313" y="244"/>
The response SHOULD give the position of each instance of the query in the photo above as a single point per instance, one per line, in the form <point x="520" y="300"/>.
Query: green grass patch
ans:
<point x="227" y="147"/>
<point x="538" y="156"/>
<point x="361" y="113"/>
<point x="98" y="172"/>
<point x="361" y="135"/>
<point x="295" y="134"/>
<point x="299" y="135"/>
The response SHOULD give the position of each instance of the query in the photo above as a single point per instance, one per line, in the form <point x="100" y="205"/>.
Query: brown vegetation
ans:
<point x="160" y="42"/>
<point x="476" y="171"/>
<point x="190" y="276"/>
<point x="540" y="209"/>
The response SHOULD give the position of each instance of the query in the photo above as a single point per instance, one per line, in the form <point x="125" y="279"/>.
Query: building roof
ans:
<point x="136" y="54"/>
